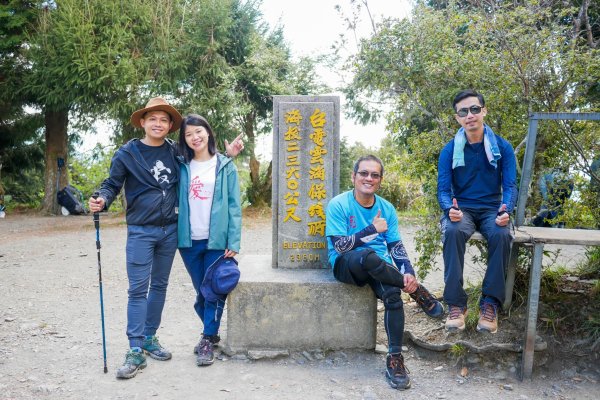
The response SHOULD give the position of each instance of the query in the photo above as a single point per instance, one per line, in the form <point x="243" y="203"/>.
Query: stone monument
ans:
<point x="306" y="175"/>
<point x="290" y="300"/>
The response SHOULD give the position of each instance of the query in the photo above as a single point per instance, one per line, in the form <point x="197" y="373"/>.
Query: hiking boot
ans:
<point x="205" y="353"/>
<point x="428" y="302"/>
<point x="456" y="318"/>
<point x="214" y="339"/>
<point x="488" y="317"/>
<point x="134" y="361"/>
<point x="153" y="348"/>
<point x="396" y="372"/>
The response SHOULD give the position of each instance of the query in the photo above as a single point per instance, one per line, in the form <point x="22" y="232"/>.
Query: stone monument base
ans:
<point x="283" y="309"/>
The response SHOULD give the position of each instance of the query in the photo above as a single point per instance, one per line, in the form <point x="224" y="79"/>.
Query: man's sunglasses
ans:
<point x="374" y="175"/>
<point x="463" y="112"/>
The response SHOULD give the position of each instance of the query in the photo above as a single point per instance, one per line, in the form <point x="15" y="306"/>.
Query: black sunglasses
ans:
<point x="463" y="112"/>
<point x="374" y="175"/>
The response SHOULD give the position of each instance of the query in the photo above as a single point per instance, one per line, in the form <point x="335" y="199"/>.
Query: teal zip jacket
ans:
<point x="225" y="229"/>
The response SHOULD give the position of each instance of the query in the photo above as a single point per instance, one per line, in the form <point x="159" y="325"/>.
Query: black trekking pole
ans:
<point x="97" y="225"/>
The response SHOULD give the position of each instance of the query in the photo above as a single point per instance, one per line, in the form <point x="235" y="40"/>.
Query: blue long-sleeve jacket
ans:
<point x="478" y="185"/>
<point x="147" y="202"/>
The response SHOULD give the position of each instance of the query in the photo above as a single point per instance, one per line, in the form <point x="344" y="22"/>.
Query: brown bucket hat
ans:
<point x="157" y="104"/>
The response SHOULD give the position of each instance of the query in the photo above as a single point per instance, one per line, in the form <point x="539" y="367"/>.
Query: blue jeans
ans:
<point x="197" y="259"/>
<point x="455" y="236"/>
<point x="150" y="251"/>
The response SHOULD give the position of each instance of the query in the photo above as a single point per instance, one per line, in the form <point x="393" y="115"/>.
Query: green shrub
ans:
<point x="88" y="170"/>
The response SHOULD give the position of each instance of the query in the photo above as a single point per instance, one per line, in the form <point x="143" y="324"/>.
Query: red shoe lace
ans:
<point x="397" y="364"/>
<point x="488" y="312"/>
<point x="455" y="312"/>
<point x="424" y="298"/>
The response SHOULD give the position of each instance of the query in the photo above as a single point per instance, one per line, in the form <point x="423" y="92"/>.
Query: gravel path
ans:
<point x="50" y="341"/>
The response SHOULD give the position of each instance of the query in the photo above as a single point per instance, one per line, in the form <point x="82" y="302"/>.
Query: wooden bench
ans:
<point x="536" y="238"/>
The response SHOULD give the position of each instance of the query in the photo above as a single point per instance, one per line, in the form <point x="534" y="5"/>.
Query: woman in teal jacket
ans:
<point x="209" y="221"/>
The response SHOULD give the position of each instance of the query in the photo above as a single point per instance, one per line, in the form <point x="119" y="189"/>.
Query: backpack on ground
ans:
<point x="71" y="199"/>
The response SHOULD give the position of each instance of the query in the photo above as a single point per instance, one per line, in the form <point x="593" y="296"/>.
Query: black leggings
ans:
<point x="361" y="267"/>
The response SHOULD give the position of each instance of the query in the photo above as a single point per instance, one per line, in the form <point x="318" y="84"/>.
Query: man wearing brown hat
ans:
<point x="148" y="170"/>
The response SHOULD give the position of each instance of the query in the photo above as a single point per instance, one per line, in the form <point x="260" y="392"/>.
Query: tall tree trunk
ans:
<point x="56" y="148"/>
<point x="259" y="191"/>
<point x="1" y="187"/>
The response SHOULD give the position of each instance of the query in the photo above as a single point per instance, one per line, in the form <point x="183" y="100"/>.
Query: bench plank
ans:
<point x="585" y="237"/>
<point x="532" y="234"/>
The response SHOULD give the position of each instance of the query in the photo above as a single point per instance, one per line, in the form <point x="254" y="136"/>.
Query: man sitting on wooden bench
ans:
<point x="477" y="191"/>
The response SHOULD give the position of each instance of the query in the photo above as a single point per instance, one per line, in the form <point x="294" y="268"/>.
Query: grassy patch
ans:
<point x="474" y="293"/>
<point x="458" y="351"/>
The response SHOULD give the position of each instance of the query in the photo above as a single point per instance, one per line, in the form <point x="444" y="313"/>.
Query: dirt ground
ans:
<point x="51" y="343"/>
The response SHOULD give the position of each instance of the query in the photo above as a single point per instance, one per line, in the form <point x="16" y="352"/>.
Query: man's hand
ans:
<point x="410" y="283"/>
<point x="96" y="205"/>
<point x="379" y="223"/>
<point x="503" y="217"/>
<point x="455" y="214"/>
<point x="235" y="147"/>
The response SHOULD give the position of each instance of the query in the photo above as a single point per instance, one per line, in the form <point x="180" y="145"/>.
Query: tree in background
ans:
<point x="21" y="153"/>
<point x="85" y="58"/>
<point x="523" y="56"/>
<point x="262" y="67"/>
<point x="84" y="61"/>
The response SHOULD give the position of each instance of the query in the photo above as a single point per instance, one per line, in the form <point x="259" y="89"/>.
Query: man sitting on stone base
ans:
<point x="365" y="247"/>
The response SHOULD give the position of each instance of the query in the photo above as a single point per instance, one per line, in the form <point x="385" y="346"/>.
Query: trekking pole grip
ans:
<point x="96" y="218"/>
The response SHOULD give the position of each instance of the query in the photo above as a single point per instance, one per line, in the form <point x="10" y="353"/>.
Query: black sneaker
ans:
<point x="134" y="361"/>
<point x="205" y="352"/>
<point x="154" y="349"/>
<point x="428" y="302"/>
<point x="214" y="339"/>
<point x="396" y="372"/>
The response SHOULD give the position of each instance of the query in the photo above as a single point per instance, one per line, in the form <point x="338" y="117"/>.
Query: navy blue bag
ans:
<point x="220" y="279"/>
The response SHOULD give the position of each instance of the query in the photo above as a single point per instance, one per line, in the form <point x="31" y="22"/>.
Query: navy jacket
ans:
<point x="147" y="202"/>
<point x="478" y="185"/>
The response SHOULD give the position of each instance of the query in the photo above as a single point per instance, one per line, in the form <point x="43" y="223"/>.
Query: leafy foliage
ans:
<point x="101" y="59"/>
<point x="89" y="170"/>
<point x="21" y="155"/>
<point x="522" y="56"/>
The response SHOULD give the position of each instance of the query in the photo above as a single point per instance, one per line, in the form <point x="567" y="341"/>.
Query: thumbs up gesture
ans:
<point x="455" y="214"/>
<point x="503" y="217"/>
<point x="379" y="223"/>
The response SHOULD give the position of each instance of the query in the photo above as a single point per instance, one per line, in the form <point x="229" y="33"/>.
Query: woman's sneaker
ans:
<point x="205" y="352"/>
<point x="154" y="349"/>
<point x="134" y="361"/>
<point x="214" y="339"/>
<point x="396" y="372"/>
<point x="428" y="302"/>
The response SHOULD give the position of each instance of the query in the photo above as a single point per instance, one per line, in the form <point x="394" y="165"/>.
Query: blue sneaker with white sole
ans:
<point x="428" y="302"/>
